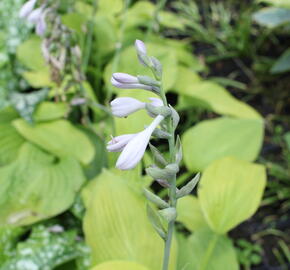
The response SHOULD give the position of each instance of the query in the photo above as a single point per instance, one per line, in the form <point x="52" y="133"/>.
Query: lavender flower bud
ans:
<point x="124" y="106"/>
<point x="125" y="78"/>
<point x="140" y="46"/>
<point x="135" y="149"/>
<point x="130" y="85"/>
<point x="118" y="143"/>
<point x="27" y="8"/>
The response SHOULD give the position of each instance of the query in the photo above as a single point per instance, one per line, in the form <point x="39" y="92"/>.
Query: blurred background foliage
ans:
<point x="226" y="65"/>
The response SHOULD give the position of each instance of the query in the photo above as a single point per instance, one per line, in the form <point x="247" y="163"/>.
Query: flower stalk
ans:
<point x="133" y="146"/>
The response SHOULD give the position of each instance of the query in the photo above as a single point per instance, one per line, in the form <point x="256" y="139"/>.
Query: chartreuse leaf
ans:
<point x="129" y="63"/>
<point x="210" y="251"/>
<point x="45" y="250"/>
<point x="10" y="139"/>
<point x="230" y="192"/>
<point x="190" y="214"/>
<point x="116" y="225"/>
<point x="213" y="139"/>
<point x="47" y="111"/>
<point x="211" y="96"/>
<point x="36" y="186"/>
<point x="29" y="54"/>
<point x="59" y="137"/>
<point x="120" y="265"/>
<point x="110" y="7"/>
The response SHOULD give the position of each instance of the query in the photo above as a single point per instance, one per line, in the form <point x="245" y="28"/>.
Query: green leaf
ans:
<point x="211" y="96"/>
<point x="277" y="3"/>
<point x="282" y="64"/>
<point x="120" y="265"/>
<point x="29" y="54"/>
<point x="45" y="250"/>
<point x="210" y="251"/>
<point x="190" y="214"/>
<point x="36" y="186"/>
<point x="10" y="139"/>
<point x="109" y="7"/>
<point x="47" y="111"/>
<point x="230" y="192"/>
<point x="75" y="21"/>
<point x="213" y="139"/>
<point x="272" y="16"/>
<point x="25" y="104"/>
<point x="38" y="79"/>
<point x="116" y="225"/>
<point x="59" y="137"/>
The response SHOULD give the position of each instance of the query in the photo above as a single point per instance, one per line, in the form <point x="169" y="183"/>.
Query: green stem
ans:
<point x="172" y="190"/>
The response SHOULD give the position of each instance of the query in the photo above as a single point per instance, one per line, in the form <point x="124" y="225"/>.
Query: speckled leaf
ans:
<point x="45" y="250"/>
<point x="36" y="186"/>
<point x="25" y="104"/>
<point x="116" y="225"/>
<point x="58" y="137"/>
<point x="230" y="192"/>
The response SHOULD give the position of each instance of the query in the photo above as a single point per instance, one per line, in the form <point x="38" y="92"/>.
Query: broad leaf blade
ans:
<point x="230" y="192"/>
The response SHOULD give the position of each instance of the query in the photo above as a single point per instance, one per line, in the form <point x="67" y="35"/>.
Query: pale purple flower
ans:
<point x="27" y="8"/>
<point x="35" y="15"/>
<point x="41" y="25"/>
<point x="124" y="106"/>
<point x="118" y="143"/>
<point x="135" y="148"/>
<point x="140" y="46"/>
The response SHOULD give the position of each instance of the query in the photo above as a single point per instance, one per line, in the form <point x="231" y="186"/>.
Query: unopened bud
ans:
<point x="156" y="67"/>
<point x="161" y="110"/>
<point x="169" y="214"/>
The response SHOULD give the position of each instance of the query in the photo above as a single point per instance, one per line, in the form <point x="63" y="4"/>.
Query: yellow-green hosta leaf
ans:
<point x="10" y="139"/>
<point x="29" y="54"/>
<point x="38" y="78"/>
<point x="36" y="186"/>
<point x="120" y="265"/>
<point x="47" y="111"/>
<point x="110" y="7"/>
<point x="190" y="214"/>
<point x="59" y="137"/>
<point x="213" y="139"/>
<point x="230" y="192"/>
<point x="212" y="96"/>
<point x="116" y="225"/>
<point x="210" y="251"/>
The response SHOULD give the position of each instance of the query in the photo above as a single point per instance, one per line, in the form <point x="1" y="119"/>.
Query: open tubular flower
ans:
<point x="124" y="106"/>
<point x="126" y="81"/>
<point x="135" y="148"/>
<point x="118" y="143"/>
